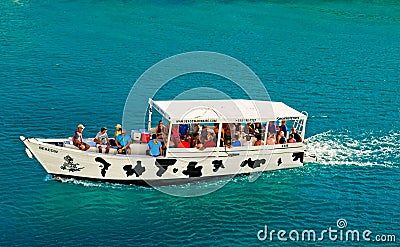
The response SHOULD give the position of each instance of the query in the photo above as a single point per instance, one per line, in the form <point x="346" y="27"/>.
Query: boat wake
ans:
<point x="344" y="147"/>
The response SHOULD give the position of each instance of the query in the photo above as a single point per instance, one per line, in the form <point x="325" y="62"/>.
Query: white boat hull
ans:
<point x="181" y="166"/>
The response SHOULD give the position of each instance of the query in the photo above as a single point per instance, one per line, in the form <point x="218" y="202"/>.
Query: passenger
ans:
<point x="198" y="144"/>
<point x="77" y="139"/>
<point x="258" y="128"/>
<point x="203" y="134"/>
<point x="296" y="136"/>
<point x="160" y="130"/>
<point x="227" y="134"/>
<point x="271" y="128"/>
<point x="249" y="129"/>
<point x="101" y="140"/>
<point x="193" y="140"/>
<point x="155" y="146"/>
<point x="184" y="143"/>
<point x="216" y="130"/>
<point x="183" y="129"/>
<point x="118" y="131"/>
<point x="271" y="139"/>
<point x="258" y="142"/>
<point x="123" y="141"/>
<point x="248" y="141"/>
<point x="281" y="138"/>
<point x="291" y="139"/>
<point x="283" y="127"/>
<point x="196" y="128"/>
<point x="175" y="134"/>
<point x="228" y="144"/>
<point x="209" y="142"/>
<point x="236" y="141"/>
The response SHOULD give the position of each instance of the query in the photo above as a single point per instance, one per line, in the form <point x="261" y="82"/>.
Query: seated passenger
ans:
<point x="271" y="139"/>
<point x="236" y="141"/>
<point x="184" y="143"/>
<point x="209" y="142"/>
<point x="291" y="139"/>
<point x="203" y="134"/>
<point x="77" y="139"/>
<point x="281" y="138"/>
<point x="154" y="146"/>
<point x="248" y="141"/>
<point x="296" y="136"/>
<point x="101" y="140"/>
<point x="259" y="142"/>
<point x="198" y="144"/>
<point x="123" y="141"/>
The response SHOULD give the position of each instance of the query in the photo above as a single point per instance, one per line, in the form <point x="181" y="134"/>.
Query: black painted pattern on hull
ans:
<point x="253" y="164"/>
<point x="70" y="165"/>
<point x="163" y="164"/>
<point x="137" y="170"/>
<point x="192" y="170"/>
<point x="104" y="165"/>
<point x="297" y="156"/>
<point x="217" y="165"/>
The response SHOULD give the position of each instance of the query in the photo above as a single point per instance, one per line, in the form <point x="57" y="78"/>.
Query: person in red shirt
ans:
<point x="209" y="142"/>
<point x="184" y="143"/>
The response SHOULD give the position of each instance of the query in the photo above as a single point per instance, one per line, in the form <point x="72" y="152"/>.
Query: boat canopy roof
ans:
<point x="226" y="111"/>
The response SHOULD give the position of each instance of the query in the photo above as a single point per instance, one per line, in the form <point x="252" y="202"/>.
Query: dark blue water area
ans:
<point x="64" y="63"/>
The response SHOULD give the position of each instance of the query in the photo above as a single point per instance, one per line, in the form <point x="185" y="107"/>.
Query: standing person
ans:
<point x="77" y="139"/>
<point x="123" y="141"/>
<point x="160" y="129"/>
<point x="155" y="146"/>
<point x="183" y="129"/>
<point x="271" y="128"/>
<point x="101" y="139"/>
<point x="283" y="128"/>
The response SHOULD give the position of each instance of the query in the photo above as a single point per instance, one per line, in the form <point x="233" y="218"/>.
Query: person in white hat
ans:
<point x="77" y="139"/>
<point x="118" y="131"/>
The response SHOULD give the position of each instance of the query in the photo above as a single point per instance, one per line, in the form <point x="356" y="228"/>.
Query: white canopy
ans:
<point x="227" y="111"/>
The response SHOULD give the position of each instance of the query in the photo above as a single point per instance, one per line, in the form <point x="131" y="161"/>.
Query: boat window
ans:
<point x="239" y="134"/>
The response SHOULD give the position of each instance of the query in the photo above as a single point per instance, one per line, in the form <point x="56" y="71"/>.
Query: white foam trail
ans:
<point x="366" y="148"/>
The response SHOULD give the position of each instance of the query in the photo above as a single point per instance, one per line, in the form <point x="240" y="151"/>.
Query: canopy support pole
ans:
<point x="149" y="121"/>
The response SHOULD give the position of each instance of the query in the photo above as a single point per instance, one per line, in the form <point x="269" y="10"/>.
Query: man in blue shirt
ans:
<point x="155" y="146"/>
<point x="123" y="141"/>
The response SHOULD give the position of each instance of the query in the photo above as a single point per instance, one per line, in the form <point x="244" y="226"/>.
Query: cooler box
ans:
<point x="136" y="135"/>
<point x="145" y="137"/>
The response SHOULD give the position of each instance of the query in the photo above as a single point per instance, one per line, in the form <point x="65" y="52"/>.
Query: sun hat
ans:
<point x="119" y="126"/>
<point x="81" y="126"/>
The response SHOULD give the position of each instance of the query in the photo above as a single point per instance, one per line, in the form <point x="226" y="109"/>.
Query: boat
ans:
<point x="223" y="120"/>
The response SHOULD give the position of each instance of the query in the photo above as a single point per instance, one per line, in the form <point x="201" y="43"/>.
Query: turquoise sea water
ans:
<point x="69" y="62"/>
